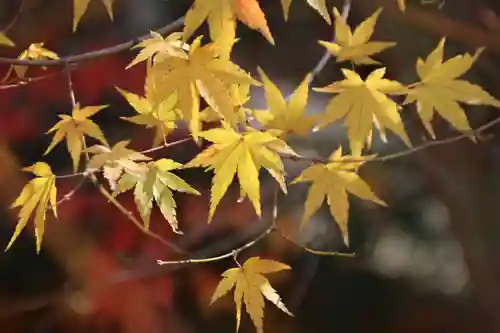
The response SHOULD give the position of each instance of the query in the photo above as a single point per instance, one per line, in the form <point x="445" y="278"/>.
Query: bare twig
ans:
<point x="406" y="152"/>
<point x="316" y="252"/>
<point x="27" y="80"/>
<point x="63" y="61"/>
<point x="69" y="195"/>
<point x="165" y="145"/>
<point x="14" y="19"/>
<point x="230" y="254"/>
<point x="234" y="253"/>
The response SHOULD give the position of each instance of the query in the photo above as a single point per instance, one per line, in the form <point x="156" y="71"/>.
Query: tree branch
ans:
<point x="406" y="152"/>
<point x="63" y="61"/>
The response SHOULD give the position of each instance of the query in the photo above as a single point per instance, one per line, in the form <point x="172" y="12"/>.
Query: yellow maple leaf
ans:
<point x="81" y="6"/>
<point x="242" y="154"/>
<point x="240" y="95"/>
<point x="204" y="74"/>
<point x="440" y="89"/>
<point x="251" y="287"/>
<point x="333" y="180"/>
<point x="362" y="103"/>
<point x="221" y="17"/>
<point x="158" y="48"/>
<point x="73" y="128"/>
<point x="161" y="116"/>
<point x="282" y="115"/>
<point x="156" y="184"/>
<point x="35" y="51"/>
<point x="318" y="5"/>
<point x="4" y="40"/>
<point x="355" y="46"/>
<point x="37" y="194"/>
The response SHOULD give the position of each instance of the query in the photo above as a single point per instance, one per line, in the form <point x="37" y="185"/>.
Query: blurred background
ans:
<point x="427" y="263"/>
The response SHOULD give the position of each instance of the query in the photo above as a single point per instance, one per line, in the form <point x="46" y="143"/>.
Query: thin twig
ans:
<point x="25" y="81"/>
<point x="229" y="254"/>
<point x="73" y="175"/>
<point x="93" y="54"/>
<point x="69" y="195"/>
<point x="233" y="253"/>
<point x="132" y="217"/>
<point x="316" y="252"/>
<point x="165" y="145"/>
<point x="406" y="152"/>
<point x="14" y="19"/>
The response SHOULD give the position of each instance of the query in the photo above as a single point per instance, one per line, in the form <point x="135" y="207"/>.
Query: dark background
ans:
<point x="428" y="263"/>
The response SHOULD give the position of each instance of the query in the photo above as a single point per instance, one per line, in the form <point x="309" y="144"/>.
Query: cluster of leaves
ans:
<point x="179" y="74"/>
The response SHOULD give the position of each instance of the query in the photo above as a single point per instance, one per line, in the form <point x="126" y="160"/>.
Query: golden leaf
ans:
<point x="204" y="74"/>
<point x="35" y="51"/>
<point x="73" y="128"/>
<point x="36" y="195"/>
<point x="333" y="180"/>
<point x="355" y="46"/>
<point x="156" y="184"/>
<point x="362" y="103"/>
<point x="440" y="89"/>
<point x="4" y="40"/>
<point x="251" y="287"/>
<point x="158" y="48"/>
<point x="242" y="154"/>
<point x="287" y="117"/>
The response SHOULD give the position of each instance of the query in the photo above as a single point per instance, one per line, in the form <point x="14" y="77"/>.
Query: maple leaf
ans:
<point x="203" y="73"/>
<point x="251" y="287"/>
<point x="240" y="95"/>
<point x="250" y="13"/>
<point x="318" y="5"/>
<point x="356" y="46"/>
<point x="73" y="128"/>
<point x="4" y="40"/>
<point x="161" y="117"/>
<point x="243" y="154"/>
<point x="282" y="115"/>
<point x="35" y="51"/>
<point x="158" y="48"/>
<point x="221" y="17"/>
<point x="362" y="103"/>
<point x="36" y="195"/>
<point x="440" y="89"/>
<point x="81" y="6"/>
<point x="156" y="183"/>
<point x="116" y="160"/>
<point x="333" y="180"/>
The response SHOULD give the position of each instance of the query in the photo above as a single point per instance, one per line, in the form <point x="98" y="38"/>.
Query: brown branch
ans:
<point x="63" y="61"/>
<point x="234" y="253"/>
<point x="406" y="152"/>
<point x="165" y="145"/>
<point x="14" y="19"/>
<point x="26" y="81"/>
